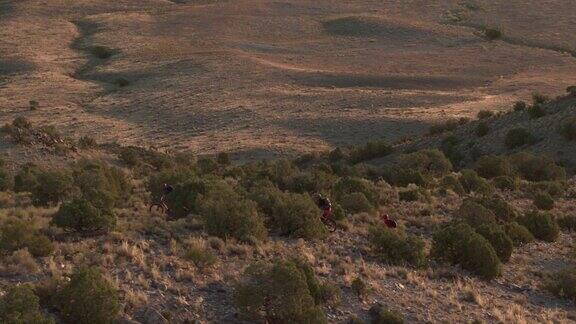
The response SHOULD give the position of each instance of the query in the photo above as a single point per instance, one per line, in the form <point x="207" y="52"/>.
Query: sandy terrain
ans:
<point x="274" y="77"/>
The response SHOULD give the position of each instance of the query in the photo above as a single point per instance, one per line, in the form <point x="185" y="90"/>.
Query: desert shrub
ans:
<point x="518" y="137"/>
<point x="134" y="156"/>
<point x="359" y="287"/>
<point x="48" y="187"/>
<point x="536" y="111"/>
<point x="501" y="209"/>
<point x="506" y="183"/>
<point x="520" y="106"/>
<point x="223" y="158"/>
<point x="499" y="240"/>
<point x="349" y="185"/>
<point x="102" y="185"/>
<point x="450" y="149"/>
<point x="475" y="214"/>
<point x="541" y="224"/>
<point x="451" y="182"/>
<point x="519" y="234"/>
<point x="539" y="99"/>
<point x="297" y="215"/>
<point x="122" y="82"/>
<point x="428" y="162"/>
<point x="199" y="253"/>
<point x="227" y="214"/>
<point x="571" y="90"/>
<point x="492" y="166"/>
<point x="371" y="150"/>
<point x="87" y="142"/>
<point x="280" y="292"/>
<point x="18" y="234"/>
<point x="563" y="284"/>
<point x="5" y="179"/>
<point x="397" y="248"/>
<point x="568" y="129"/>
<point x="402" y="177"/>
<point x="536" y="167"/>
<point x="482" y="129"/>
<point x="446" y="126"/>
<point x="322" y="292"/>
<point x="483" y="114"/>
<point x="81" y="216"/>
<point x="21" y="306"/>
<point x="414" y="193"/>
<point x="381" y="315"/>
<point x="567" y="222"/>
<point x="472" y="182"/>
<point x="493" y="33"/>
<point x="356" y="202"/>
<point x="338" y="212"/>
<point x="458" y="243"/>
<point x="175" y="177"/>
<point x="88" y="298"/>
<point x="543" y="201"/>
<point x="555" y="189"/>
<point x="102" y="52"/>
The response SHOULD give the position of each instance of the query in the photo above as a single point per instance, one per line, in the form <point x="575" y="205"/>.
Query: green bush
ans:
<point x="199" y="253"/>
<point x="359" y="287"/>
<point x="459" y="244"/>
<point x="322" y="293"/>
<point x="542" y="225"/>
<point x="493" y="33"/>
<point x="102" y="185"/>
<point x="492" y="166"/>
<point x="88" y="299"/>
<point x="428" y="162"/>
<point x="280" y="292"/>
<point x="543" y="201"/>
<point x="81" y="216"/>
<point x="402" y="177"/>
<point x="297" y="215"/>
<point x="563" y="284"/>
<point x="381" y="315"/>
<point x="48" y="187"/>
<point x="227" y="214"/>
<point x="356" y="202"/>
<point x="536" y="167"/>
<point x="506" y="183"/>
<point x="482" y="129"/>
<point x="472" y="182"/>
<point x="16" y="234"/>
<point x="450" y="148"/>
<point x="414" y="193"/>
<point x="501" y="209"/>
<point x="520" y="106"/>
<point x="568" y="129"/>
<point x="555" y="189"/>
<point x="348" y="185"/>
<point x="567" y="222"/>
<point x="475" y="214"/>
<point x="499" y="240"/>
<point x="397" y="248"/>
<point x="536" y="111"/>
<point x="518" y="234"/>
<point x="102" y="52"/>
<point x="518" y="137"/>
<point x="87" y="142"/>
<point x="370" y="151"/>
<point x="451" y="182"/>
<point x="571" y="90"/>
<point x="21" y="306"/>
<point x="134" y="156"/>
<point x="539" y="99"/>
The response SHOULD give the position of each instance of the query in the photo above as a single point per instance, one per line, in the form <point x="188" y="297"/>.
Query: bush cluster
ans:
<point x="536" y="111"/>
<point x="518" y="137"/>
<point x="446" y="126"/>
<point x="499" y="240"/>
<point x="21" y="306"/>
<point x="48" y="187"/>
<point x="474" y="214"/>
<point x="81" y="216"/>
<point x="458" y="243"/>
<point x="472" y="182"/>
<point x="519" y="234"/>
<point x="543" y="201"/>
<point x="397" y="248"/>
<point x="568" y="129"/>
<point x="563" y="284"/>
<point x="541" y="224"/>
<point x="492" y="166"/>
<point x="450" y="148"/>
<point x="281" y="291"/>
<point x="503" y="211"/>
<point x="482" y="129"/>
<point x="536" y="167"/>
<point x="16" y="234"/>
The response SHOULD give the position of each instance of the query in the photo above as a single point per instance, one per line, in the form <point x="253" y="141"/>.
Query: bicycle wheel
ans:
<point x="330" y="225"/>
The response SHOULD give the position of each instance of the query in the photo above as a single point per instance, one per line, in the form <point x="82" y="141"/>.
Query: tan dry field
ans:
<point x="263" y="78"/>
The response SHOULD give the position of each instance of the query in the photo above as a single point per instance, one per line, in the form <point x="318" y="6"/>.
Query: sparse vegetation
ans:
<point x="567" y="222"/>
<point x="543" y="201"/>
<point x="446" y="126"/>
<point x="563" y="284"/>
<point x="493" y="33"/>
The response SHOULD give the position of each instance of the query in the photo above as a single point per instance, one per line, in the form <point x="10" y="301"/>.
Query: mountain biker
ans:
<point x="165" y="192"/>
<point x="390" y="223"/>
<point x="326" y="206"/>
